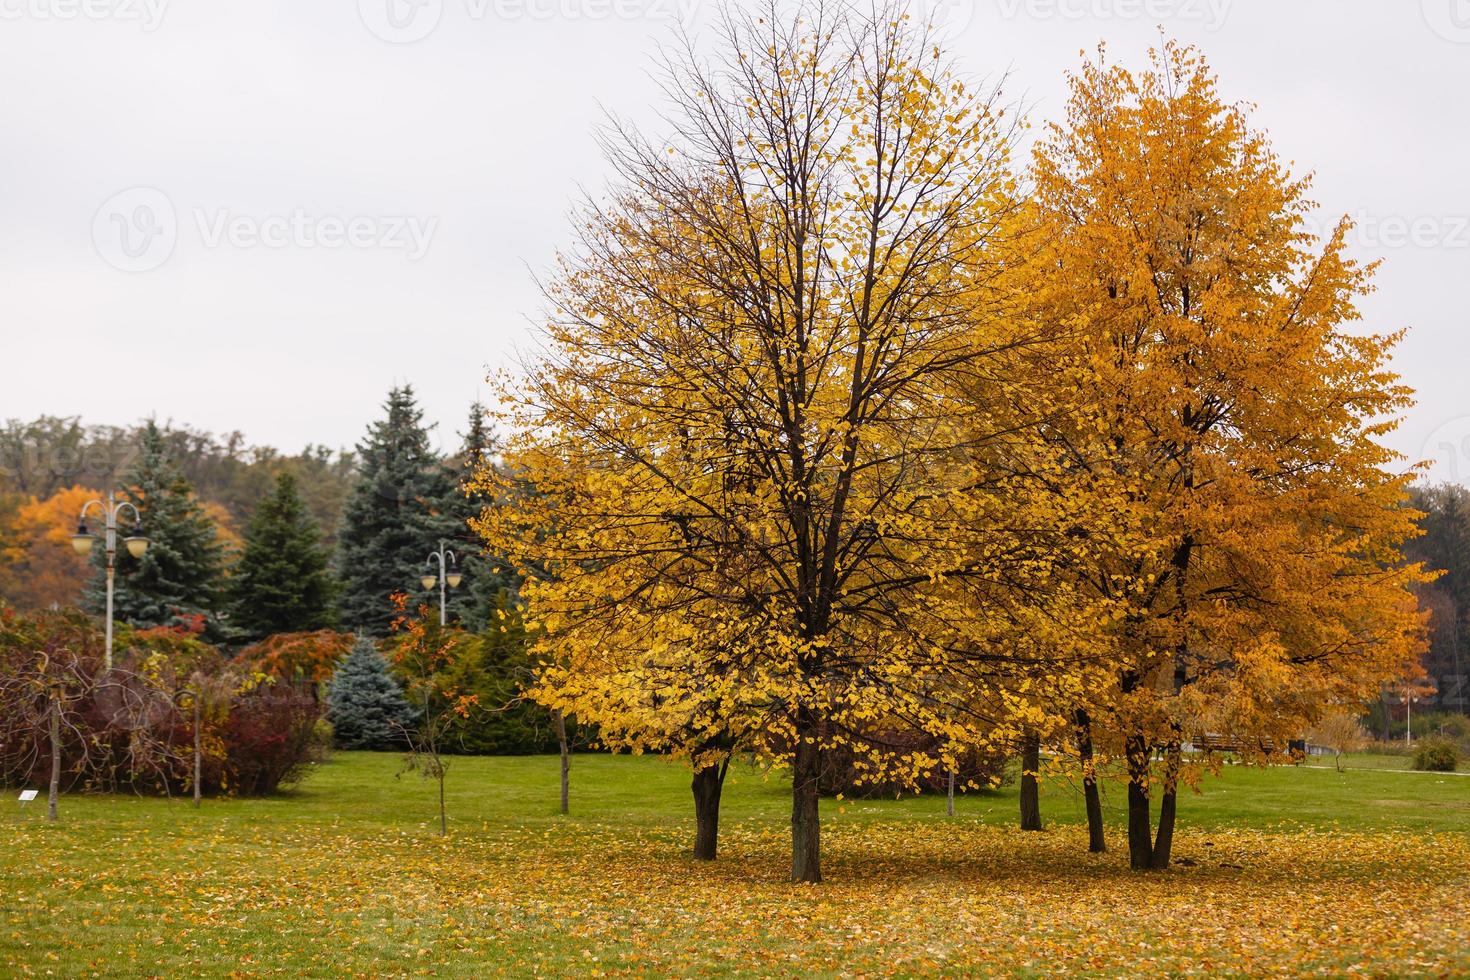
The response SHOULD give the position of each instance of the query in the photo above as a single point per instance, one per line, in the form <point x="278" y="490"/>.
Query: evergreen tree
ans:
<point x="177" y="580"/>
<point x="496" y="669"/>
<point x="281" y="583"/>
<point x="391" y="521"/>
<point x="365" y="704"/>
<point x="1445" y="545"/>
<point x="474" y="603"/>
<point x="1446" y="541"/>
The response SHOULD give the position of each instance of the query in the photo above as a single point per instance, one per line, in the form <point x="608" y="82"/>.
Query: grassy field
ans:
<point x="1290" y="870"/>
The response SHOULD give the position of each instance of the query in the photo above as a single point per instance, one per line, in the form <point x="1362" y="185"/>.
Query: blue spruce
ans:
<point x="365" y="704"/>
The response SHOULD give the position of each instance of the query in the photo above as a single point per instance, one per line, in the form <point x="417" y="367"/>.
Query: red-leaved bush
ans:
<point x="134" y="727"/>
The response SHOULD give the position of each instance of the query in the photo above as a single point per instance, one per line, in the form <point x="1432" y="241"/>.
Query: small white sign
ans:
<point x="26" y="795"/>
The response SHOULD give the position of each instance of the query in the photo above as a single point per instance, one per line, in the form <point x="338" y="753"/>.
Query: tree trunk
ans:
<point x="708" y="784"/>
<point x="1140" y="844"/>
<point x="443" y="813"/>
<point x="1096" y="843"/>
<point x="949" y="800"/>
<point x="806" y="840"/>
<point x="198" y="753"/>
<point x="566" y="758"/>
<point x="1030" y="790"/>
<point x="1164" y="844"/>
<point x="54" y="794"/>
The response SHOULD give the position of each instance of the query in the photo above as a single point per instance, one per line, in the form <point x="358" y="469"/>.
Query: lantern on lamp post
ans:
<point x="136" y="543"/>
<point x="448" y="575"/>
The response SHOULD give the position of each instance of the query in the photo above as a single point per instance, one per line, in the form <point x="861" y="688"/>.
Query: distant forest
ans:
<point x="39" y="458"/>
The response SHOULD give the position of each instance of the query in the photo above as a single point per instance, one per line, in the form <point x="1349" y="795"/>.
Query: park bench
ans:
<point x="1210" y="742"/>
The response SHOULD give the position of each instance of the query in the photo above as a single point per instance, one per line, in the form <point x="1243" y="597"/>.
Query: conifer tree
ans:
<point x="365" y="704"/>
<point x="281" y="583"/>
<point x="483" y="589"/>
<point x="496" y="668"/>
<point x="391" y="521"/>
<point x="178" y="579"/>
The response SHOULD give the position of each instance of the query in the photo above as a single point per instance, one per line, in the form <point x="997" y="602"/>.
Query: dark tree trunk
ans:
<point x="806" y="838"/>
<point x="566" y="759"/>
<point x="443" y="813"/>
<point x="1096" y="843"/>
<point x="1164" y="844"/>
<point x="198" y="753"/>
<point x="53" y="795"/>
<point x="1140" y="843"/>
<point x="1030" y="789"/>
<point x="709" y="782"/>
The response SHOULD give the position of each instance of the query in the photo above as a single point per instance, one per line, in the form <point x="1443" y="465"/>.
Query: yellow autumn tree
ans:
<point x="1218" y="376"/>
<point x="761" y="515"/>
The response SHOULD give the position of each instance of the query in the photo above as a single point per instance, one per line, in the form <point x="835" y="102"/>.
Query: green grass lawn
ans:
<point x="1286" y="870"/>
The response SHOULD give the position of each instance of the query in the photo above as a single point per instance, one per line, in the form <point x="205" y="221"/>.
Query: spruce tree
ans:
<point x="177" y="580"/>
<point x="473" y="604"/>
<point x="365" y="704"/>
<point x="391" y="521"/>
<point x="281" y="583"/>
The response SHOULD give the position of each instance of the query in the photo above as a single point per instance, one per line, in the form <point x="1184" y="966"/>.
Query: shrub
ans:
<point x="133" y="728"/>
<point x="1456" y="728"/>
<point x="302" y="658"/>
<point x="1436" y="754"/>
<point x="270" y="737"/>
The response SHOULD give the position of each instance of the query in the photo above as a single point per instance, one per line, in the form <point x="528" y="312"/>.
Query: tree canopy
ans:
<point x="850" y="429"/>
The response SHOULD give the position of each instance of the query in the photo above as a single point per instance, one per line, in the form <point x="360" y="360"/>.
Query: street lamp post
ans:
<point x="137" y="545"/>
<point x="448" y="574"/>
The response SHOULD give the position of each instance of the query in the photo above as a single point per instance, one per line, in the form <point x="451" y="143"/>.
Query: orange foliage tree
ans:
<point x="1209" y="344"/>
<point x="43" y="569"/>
<point x="422" y="651"/>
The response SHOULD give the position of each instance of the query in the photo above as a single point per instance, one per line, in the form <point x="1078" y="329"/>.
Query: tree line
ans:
<point x="238" y="539"/>
<point x="46" y="456"/>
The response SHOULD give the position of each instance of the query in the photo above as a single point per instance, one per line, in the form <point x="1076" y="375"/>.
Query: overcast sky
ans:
<point x="260" y="215"/>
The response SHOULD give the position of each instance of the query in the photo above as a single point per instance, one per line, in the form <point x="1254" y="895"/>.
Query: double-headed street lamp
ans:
<point x="448" y="574"/>
<point x="136" y="543"/>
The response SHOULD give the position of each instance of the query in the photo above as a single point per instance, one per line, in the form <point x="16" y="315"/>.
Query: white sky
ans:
<point x="475" y="137"/>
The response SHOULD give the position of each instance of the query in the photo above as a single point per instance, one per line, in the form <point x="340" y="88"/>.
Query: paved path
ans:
<point x="1419" y="772"/>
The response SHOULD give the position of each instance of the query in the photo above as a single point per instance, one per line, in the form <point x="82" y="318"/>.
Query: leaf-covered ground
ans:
<point x="346" y="877"/>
